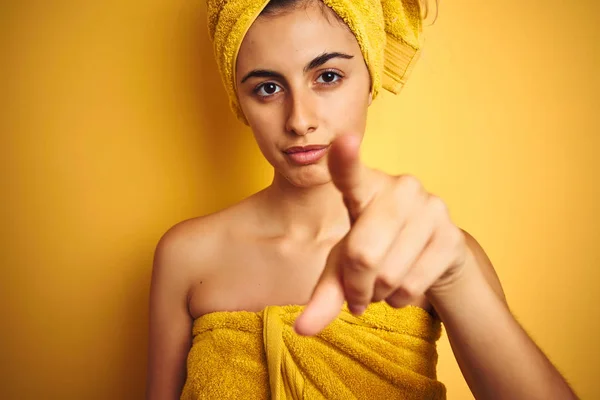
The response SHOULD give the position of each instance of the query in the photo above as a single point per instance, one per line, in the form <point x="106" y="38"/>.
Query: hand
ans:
<point x="401" y="244"/>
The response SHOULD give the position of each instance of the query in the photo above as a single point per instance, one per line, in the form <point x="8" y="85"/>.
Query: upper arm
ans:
<point x="170" y="322"/>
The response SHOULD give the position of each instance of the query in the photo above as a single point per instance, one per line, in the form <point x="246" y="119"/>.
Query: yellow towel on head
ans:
<point x="388" y="33"/>
<point x="386" y="353"/>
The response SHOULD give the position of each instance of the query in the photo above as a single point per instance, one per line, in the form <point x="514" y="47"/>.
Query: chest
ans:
<point x="250" y="277"/>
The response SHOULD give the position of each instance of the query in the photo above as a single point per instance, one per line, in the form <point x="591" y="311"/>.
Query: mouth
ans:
<point x="305" y="155"/>
<point x="300" y="149"/>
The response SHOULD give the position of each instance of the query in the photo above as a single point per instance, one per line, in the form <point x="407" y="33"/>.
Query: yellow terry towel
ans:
<point x="386" y="353"/>
<point x="388" y="33"/>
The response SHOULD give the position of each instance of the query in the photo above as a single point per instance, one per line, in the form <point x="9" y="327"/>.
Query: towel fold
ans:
<point x="385" y="353"/>
<point x="387" y="31"/>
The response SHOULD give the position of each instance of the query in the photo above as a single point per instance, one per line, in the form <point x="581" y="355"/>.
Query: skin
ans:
<point x="334" y="230"/>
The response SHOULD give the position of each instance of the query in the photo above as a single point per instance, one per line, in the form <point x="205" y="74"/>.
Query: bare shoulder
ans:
<point x="186" y="239"/>
<point x="195" y="245"/>
<point x="192" y="243"/>
<point x="177" y="250"/>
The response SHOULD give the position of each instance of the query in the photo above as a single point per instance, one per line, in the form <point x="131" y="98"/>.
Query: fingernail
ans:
<point x="357" y="309"/>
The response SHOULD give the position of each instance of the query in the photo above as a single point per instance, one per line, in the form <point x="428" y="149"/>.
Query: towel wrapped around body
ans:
<point x="386" y="353"/>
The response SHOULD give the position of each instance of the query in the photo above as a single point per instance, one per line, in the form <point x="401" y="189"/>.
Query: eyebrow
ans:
<point x="314" y="63"/>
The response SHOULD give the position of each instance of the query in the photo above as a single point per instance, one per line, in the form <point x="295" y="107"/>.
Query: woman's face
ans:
<point x="302" y="81"/>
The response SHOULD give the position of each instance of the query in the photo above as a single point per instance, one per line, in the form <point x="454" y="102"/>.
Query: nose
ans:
<point x="302" y="114"/>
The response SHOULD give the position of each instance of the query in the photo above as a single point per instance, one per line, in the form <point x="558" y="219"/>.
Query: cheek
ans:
<point x="261" y="117"/>
<point x="263" y="138"/>
<point x="348" y="112"/>
<point x="266" y="137"/>
<point x="265" y="133"/>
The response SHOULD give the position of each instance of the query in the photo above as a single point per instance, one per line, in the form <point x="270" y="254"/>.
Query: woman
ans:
<point x="328" y="233"/>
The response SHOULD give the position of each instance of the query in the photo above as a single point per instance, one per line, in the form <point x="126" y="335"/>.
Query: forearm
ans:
<point x="495" y="354"/>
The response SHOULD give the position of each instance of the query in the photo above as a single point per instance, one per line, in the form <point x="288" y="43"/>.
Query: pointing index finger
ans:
<point x="325" y="303"/>
<point x="349" y="174"/>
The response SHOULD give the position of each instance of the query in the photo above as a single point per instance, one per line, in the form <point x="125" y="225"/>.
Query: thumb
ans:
<point x="349" y="174"/>
<point x="326" y="301"/>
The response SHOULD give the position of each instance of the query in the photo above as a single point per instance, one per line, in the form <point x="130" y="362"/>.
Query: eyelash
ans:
<point x="335" y="82"/>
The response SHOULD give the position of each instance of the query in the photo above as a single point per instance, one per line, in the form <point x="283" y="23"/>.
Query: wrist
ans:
<point x="466" y="284"/>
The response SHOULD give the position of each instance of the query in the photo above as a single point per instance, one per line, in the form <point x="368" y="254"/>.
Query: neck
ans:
<point x="314" y="213"/>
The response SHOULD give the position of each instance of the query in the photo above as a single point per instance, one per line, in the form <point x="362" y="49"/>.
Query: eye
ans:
<point x="267" y="89"/>
<point x="329" y="77"/>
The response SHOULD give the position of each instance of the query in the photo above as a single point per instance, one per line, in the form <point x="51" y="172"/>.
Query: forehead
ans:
<point x="295" y="36"/>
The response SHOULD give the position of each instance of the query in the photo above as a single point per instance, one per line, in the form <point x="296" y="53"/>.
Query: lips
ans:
<point x="298" y="149"/>
<point x="305" y="155"/>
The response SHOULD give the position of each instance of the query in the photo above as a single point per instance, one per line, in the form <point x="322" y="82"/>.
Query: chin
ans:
<point x="308" y="176"/>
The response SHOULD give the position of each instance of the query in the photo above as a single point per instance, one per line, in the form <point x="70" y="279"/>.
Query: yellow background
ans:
<point x="114" y="126"/>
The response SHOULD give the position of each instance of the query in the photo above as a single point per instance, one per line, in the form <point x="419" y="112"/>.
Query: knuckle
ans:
<point x="379" y="294"/>
<point x="355" y="294"/>
<point x="395" y="301"/>
<point x="409" y="184"/>
<point x="409" y="290"/>
<point x="361" y="259"/>
<point x="437" y="206"/>
<point x="450" y="237"/>
<point x="456" y="237"/>
<point x="386" y="282"/>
